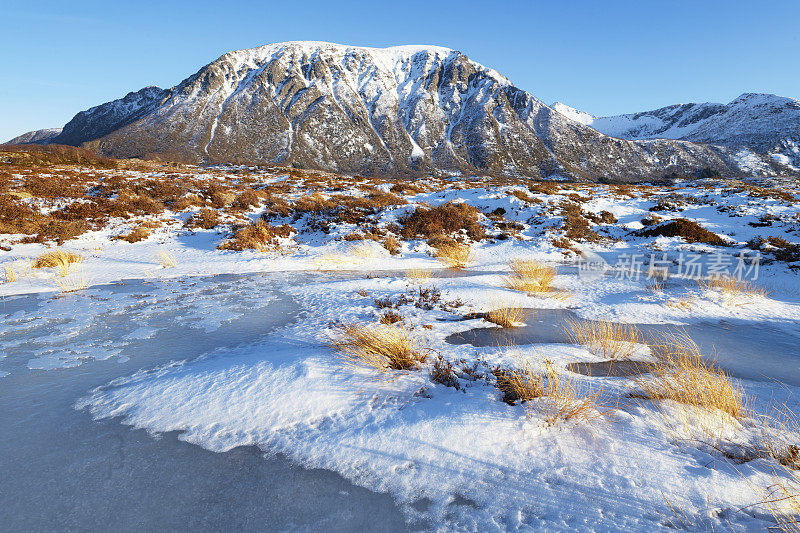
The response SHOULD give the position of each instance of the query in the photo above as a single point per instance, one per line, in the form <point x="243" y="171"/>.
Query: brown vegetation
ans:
<point x="688" y="230"/>
<point x="260" y="236"/>
<point x="447" y="219"/>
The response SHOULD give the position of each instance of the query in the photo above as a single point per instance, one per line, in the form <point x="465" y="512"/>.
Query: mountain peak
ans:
<point x="573" y="114"/>
<point x="402" y="110"/>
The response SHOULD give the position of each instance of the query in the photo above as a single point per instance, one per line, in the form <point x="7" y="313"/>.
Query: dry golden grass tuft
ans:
<point x="521" y="384"/>
<point x="655" y="287"/>
<point x="556" y="397"/>
<point x="604" y="339"/>
<point x="507" y="317"/>
<point x="684" y="303"/>
<point x="11" y="274"/>
<point x="706" y="397"/>
<point x="734" y="291"/>
<point x="565" y="401"/>
<point x="779" y="440"/>
<point x="418" y="275"/>
<point x="59" y="259"/>
<point x="455" y="255"/>
<point x="166" y="259"/>
<point x="533" y="277"/>
<point x="354" y="254"/>
<point x="73" y="282"/>
<point x="392" y="245"/>
<point x="783" y="501"/>
<point x="779" y="437"/>
<point x="139" y="233"/>
<point x="381" y="347"/>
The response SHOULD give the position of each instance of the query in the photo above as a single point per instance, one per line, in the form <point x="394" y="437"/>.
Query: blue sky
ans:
<point x="604" y="57"/>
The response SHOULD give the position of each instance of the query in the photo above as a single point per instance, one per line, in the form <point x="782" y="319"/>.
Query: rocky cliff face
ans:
<point x="402" y="110"/>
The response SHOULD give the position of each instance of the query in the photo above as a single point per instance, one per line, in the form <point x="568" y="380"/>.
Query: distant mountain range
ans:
<point x="764" y="123"/>
<point x="412" y="110"/>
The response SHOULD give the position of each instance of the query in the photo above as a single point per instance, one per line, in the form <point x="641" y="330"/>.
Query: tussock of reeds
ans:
<point x="382" y="347"/>
<point x="734" y="291"/>
<point x="710" y="400"/>
<point x="604" y="339"/>
<point x="418" y="275"/>
<point x="532" y="277"/>
<point x="556" y="397"/>
<point x="59" y="259"/>
<point x="521" y="384"/>
<point x="783" y="501"/>
<point x="655" y="287"/>
<point x="353" y="254"/>
<point x="507" y="317"/>
<point x="456" y="256"/>
<point x="11" y="274"/>
<point x="167" y="259"/>
<point x="73" y="282"/>
<point x="564" y="401"/>
<point x="683" y="303"/>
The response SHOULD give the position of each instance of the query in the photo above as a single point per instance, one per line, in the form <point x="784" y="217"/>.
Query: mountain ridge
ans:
<point x="765" y="123"/>
<point x="407" y="110"/>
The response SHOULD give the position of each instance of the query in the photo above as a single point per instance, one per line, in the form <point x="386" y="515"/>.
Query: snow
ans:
<point x="452" y="459"/>
<point x="574" y="114"/>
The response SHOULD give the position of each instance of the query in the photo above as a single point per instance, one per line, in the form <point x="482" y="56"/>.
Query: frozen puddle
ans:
<point x="747" y="349"/>
<point x="62" y="470"/>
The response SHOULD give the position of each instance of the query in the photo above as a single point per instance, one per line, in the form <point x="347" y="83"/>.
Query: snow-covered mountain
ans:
<point x="109" y="117"/>
<point x="400" y="110"/>
<point x="764" y="123"/>
<point x="44" y="136"/>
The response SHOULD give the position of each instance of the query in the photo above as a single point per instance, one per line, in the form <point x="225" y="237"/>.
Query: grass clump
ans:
<point x="418" y="275"/>
<point x="553" y="396"/>
<point x="59" y="259"/>
<point x="688" y="230"/>
<point x="506" y="317"/>
<point x="733" y="290"/>
<point x="455" y="255"/>
<point x="446" y="219"/>
<point x="532" y="277"/>
<point x="521" y="384"/>
<point x="166" y="259"/>
<point x="139" y="233"/>
<point x="604" y="339"/>
<point x="204" y="218"/>
<point x="381" y="347"/>
<point x="565" y="401"/>
<point x="11" y="274"/>
<point x="683" y="375"/>
<point x="392" y="245"/>
<point x="260" y="236"/>
<point x="76" y="281"/>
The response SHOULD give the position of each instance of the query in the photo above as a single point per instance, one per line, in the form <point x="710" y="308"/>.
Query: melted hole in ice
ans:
<point x="747" y="349"/>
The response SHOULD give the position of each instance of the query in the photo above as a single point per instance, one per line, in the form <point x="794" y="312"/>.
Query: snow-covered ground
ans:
<point x="452" y="458"/>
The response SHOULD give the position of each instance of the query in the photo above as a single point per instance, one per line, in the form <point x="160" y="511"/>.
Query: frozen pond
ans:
<point x="62" y="470"/>
<point x="747" y="349"/>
